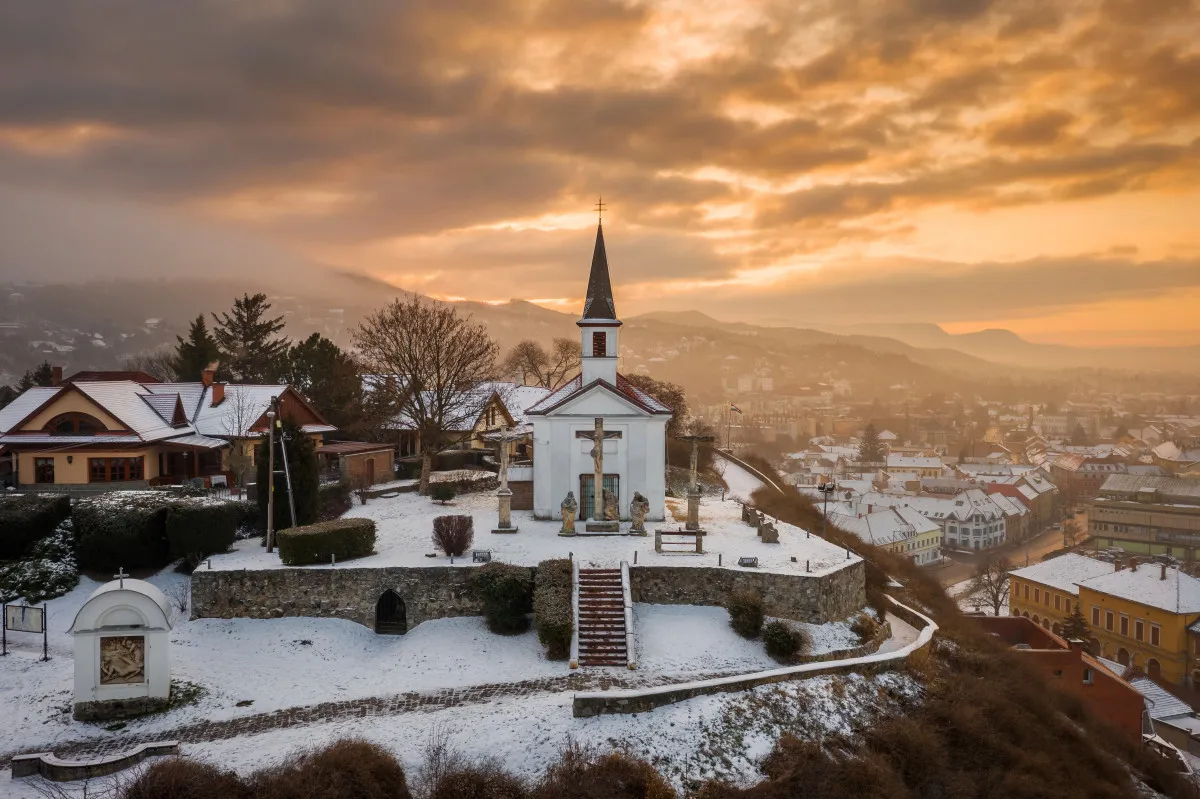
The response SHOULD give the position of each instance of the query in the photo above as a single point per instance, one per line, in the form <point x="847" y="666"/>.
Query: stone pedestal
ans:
<point x="504" y="495"/>
<point x="693" y="511"/>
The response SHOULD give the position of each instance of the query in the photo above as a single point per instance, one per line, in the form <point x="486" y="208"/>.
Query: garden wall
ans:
<point x="802" y="597"/>
<point x="435" y="592"/>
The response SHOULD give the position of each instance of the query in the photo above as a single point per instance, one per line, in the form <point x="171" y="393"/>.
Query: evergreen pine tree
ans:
<point x="328" y="378"/>
<point x="870" y="450"/>
<point x="303" y="467"/>
<point x="1076" y="626"/>
<point x="196" y="352"/>
<point x="250" y="349"/>
<point x="43" y="375"/>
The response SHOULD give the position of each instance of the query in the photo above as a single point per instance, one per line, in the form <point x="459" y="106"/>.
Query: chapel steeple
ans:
<point x="599" y="302"/>
<point x="599" y="326"/>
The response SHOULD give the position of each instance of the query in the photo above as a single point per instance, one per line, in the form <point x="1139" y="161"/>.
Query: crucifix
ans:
<point x="600" y="207"/>
<point x="695" y="485"/>
<point x="504" y="436"/>
<point x="598" y="436"/>
<point x="121" y="575"/>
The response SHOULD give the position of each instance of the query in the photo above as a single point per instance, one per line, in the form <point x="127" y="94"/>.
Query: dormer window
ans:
<point x="74" y="424"/>
<point x="599" y="344"/>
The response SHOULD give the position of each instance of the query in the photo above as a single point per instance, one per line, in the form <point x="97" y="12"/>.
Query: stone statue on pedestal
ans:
<point x="569" y="508"/>
<point x="637" y="511"/>
<point x="611" y="514"/>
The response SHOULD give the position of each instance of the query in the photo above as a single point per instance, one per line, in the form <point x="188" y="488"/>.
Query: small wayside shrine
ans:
<point x="122" y="665"/>
<point x="599" y="438"/>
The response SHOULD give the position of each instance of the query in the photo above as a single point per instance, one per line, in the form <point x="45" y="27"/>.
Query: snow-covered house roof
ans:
<point x="26" y="403"/>
<point x="910" y="462"/>
<point x="1065" y="572"/>
<point x="883" y="527"/>
<point x="1160" y="703"/>
<point x="1163" y="587"/>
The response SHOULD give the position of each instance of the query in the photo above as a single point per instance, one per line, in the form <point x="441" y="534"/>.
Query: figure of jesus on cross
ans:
<point x="598" y="436"/>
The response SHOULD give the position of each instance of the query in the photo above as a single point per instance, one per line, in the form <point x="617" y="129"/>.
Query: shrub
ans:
<point x="441" y="492"/>
<point x="582" y="773"/>
<point x="249" y="523"/>
<point x="348" y="769"/>
<point x="47" y="571"/>
<point x="504" y="590"/>
<point x="315" y="543"/>
<point x="453" y="534"/>
<point x="122" y="529"/>
<point x="482" y="781"/>
<point x="782" y="640"/>
<point x="304" y="469"/>
<point x="333" y="499"/>
<point x="27" y="518"/>
<point x="197" y="529"/>
<point x="181" y="778"/>
<point x="745" y="612"/>
<point x="552" y="614"/>
<point x="864" y="627"/>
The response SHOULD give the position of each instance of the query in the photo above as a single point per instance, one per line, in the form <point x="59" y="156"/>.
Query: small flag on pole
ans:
<point x="734" y="408"/>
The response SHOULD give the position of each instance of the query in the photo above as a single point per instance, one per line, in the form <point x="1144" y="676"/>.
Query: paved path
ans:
<point x="326" y="712"/>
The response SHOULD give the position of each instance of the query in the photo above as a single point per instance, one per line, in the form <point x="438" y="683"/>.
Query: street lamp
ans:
<point x="826" y="489"/>
<point x="270" y="481"/>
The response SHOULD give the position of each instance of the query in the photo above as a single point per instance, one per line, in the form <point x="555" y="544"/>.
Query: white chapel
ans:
<point x="565" y="422"/>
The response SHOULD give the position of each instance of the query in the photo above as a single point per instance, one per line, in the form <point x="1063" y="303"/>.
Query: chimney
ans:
<point x="1075" y="644"/>
<point x="218" y="392"/>
<point x="55" y="375"/>
<point x="206" y="377"/>
<point x="1162" y="575"/>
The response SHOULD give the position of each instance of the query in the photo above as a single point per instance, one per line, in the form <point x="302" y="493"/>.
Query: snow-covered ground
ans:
<point x="404" y="524"/>
<point x="741" y="482"/>
<point x="724" y="735"/>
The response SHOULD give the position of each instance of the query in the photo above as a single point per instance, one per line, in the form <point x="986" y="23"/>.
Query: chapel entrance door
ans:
<point x="587" y="494"/>
<point x="390" y="615"/>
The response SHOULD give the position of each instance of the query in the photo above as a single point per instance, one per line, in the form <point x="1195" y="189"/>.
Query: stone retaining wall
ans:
<point x="434" y="592"/>
<point x="437" y="592"/>
<point x="54" y="769"/>
<point x="815" y="599"/>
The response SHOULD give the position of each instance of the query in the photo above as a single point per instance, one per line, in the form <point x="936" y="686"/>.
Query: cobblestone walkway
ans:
<point x="326" y="712"/>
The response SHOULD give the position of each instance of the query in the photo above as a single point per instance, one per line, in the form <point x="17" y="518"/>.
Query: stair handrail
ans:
<point x="630" y="657"/>
<point x="574" y="662"/>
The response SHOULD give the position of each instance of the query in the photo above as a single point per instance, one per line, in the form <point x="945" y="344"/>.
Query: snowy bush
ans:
<point x="27" y="518"/>
<point x="504" y="590"/>
<point x="333" y="499"/>
<point x="783" y="641"/>
<point x="123" y="529"/>
<point x="745" y="612"/>
<point x="465" y="481"/>
<point x="195" y="531"/>
<point x="453" y="534"/>
<point x="441" y="492"/>
<point x="47" y="571"/>
<point x="317" y="543"/>
<point x="552" y="614"/>
<point x="864" y="626"/>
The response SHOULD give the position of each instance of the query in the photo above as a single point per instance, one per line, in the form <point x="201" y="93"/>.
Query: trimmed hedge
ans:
<point x="552" y="613"/>
<point x="506" y="594"/>
<point x="46" y="571"/>
<point x="195" y="531"/>
<point x="27" y="518"/>
<point x="745" y="613"/>
<point x="316" y="543"/>
<point x="122" y="529"/>
<point x="782" y="640"/>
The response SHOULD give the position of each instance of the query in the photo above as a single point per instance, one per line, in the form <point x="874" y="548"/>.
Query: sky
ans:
<point x="1022" y="164"/>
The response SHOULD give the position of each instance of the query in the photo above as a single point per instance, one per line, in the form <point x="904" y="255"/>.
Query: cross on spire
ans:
<point x="600" y="206"/>
<point x="121" y="575"/>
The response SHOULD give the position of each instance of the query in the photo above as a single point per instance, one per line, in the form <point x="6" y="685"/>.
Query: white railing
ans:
<point x="574" y="662"/>
<point x="630" y="656"/>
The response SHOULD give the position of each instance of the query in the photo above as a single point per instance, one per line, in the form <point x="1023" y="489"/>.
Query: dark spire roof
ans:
<point x="599" y="303"/>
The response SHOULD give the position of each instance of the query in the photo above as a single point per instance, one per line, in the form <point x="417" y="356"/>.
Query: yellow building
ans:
<point x="1138" y="614"/>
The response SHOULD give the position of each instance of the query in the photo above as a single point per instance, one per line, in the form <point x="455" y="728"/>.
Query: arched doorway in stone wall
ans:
<point x="390" y="614"/>
<point x="1153" y="669"/>
<point x="1123" y="656"/>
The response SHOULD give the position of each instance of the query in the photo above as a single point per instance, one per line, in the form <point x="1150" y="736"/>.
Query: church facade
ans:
<point x="599" y="403"/>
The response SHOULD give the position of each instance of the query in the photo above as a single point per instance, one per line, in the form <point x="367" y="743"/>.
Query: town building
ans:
<point x="100" y="434"/>
<point x="1139" y="614"/>
<point x="1079" y="477"/>
<point x="901" y="531"/>
<point x="923" y="467"/>
<point x="1147" y="515"/>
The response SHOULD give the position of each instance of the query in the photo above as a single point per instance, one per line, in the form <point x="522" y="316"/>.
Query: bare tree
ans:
<point x="239" y="415"/>
<point x="533" y="365"/>
<point x="1072" y="533"/>
<point x="440" y="360"/>
<point x="991" y="582"/>
<point x="158" y="363"/>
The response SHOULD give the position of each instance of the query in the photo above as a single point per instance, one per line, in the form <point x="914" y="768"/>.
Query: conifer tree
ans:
<point x="870" y="450"/>
<point x="251" y="352"/>
<point x="328" y="378"/>
<point x="43" y="375"/>
<point x="1076" y="626"/>
<point x="196" y="352"/>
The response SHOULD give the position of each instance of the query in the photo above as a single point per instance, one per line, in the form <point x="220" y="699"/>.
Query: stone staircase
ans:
<point x="601" y="618"/>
